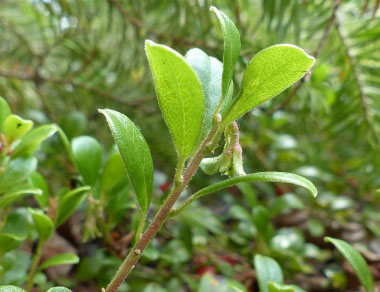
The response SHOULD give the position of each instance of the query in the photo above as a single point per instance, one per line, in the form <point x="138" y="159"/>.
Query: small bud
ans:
<point x="137" y="252"/>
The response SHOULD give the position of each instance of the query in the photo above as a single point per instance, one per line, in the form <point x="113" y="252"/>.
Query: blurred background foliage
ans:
<point x="61" y="60"/>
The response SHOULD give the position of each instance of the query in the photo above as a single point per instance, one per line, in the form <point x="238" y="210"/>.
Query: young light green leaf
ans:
<point x="10" y="288"/>
<point x="269" y="73"/>
<point x="135" y="153"/>
<point x="356" y="261"/>
<point x="69" y="203"/>
<point x="231" y="49"/>
<point x="270" y="176"/>
<point x="16" y="127"/>
<point x="18" y="194"/>
<point x="267" y="269"/>
<point x="179" y="94"/>
<point x="88" y="156"/>
<point x="44" y="225"/>
<point x="39" y="182"/>
<point x="59" y="289"/>
<point x="209" y="71"/>
<point x="5" y="111"/>
<point x="61" y="259"/>
<point x="32" y="141"/>
<point x="17" y="172"/>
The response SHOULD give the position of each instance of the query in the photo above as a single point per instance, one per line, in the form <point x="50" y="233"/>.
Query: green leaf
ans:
<point x="270" y="176"/>
<point x="5" y="111"/>
<point x="135" y="153"/>
<point x="69" y="203"/>
<point x="16" y="127"/>
<point x="39" y="182"/>
<point x="269" y="73"/>
<point x="231" y="49"/>
<point x="267" y="269"/>
<point x="8" y="242"/>
<point x="209" y="283"/>
<point x="61" y="259"/>
<point x="18" y="194"/>
<point x="44" y="225"/>
<point x="10" y="288"/>
<point x="88" y="156"/>
<point x="179" y="94"/>
<point x="209" y="71"/>
<point x="277" y="287"/>
<point x="32" y="141"/>
<point x="17" y="172"/>
<point x="59" y="289"/>
<point x="113" y="172"/>
<point x="356" y="261"/>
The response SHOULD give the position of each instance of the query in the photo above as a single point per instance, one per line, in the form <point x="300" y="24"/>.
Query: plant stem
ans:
<point x="33" y="269"/>
<point x="161" y="216"/>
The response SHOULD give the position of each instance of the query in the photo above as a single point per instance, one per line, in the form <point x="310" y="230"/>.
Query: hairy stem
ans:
<point x="162" y="215"/>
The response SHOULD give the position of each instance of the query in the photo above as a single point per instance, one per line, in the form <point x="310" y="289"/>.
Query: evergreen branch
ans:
<point x="316" y="54"/>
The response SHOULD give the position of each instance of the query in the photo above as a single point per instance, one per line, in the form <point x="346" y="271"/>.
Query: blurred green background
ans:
<point x="61" y="60"/>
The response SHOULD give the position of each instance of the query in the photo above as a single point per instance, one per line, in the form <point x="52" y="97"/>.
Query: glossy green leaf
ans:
<point x="5" y="111"/>
<point x="270" y="176"/>
<point x="18" y="194"/>
<point x="32" y="141"/>
<point x="356" y="261"/>
<point x="269" y="73"/>
<point x="113" y="172"/>
<point x="61" y="259"/>
<point x="16" y="127"/>
<point x="231" y="48"/>
<point x="135" y="153"/>
<point x="39" y="182"/>
<point x="59" y="289"/>
<point x="44" y="225"/>
<point x="210" y="283"/>
<point x="17" y="172"/>
<point x="209" y="71"/>
<point x="267" y="269"/>
<point x="8" y="242"/>
<point x="10" y="288"/>
<point x="88" y="156"/>
<point x="69" y="203"/>
<point x="180" y="96"/>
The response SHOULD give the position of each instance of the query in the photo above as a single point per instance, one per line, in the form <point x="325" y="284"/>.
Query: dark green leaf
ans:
<point x="8" y="242"/>
<point x="88" y="156"/>
<point x="113" y="172"/>
<point x="269" y="73"/>
<point x="135" y="153"/>
<point x="180" y="96"/>
<point x="32" y="141"/>
<point x="231" y="49"/>
<point x="356" y="261"/>
<point x="267" y="269"/>
<point x="69" y="203"/>
<point x="61" y="259"/>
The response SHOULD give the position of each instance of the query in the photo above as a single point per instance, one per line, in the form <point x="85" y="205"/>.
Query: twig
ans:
<point x="316" y="55"/>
